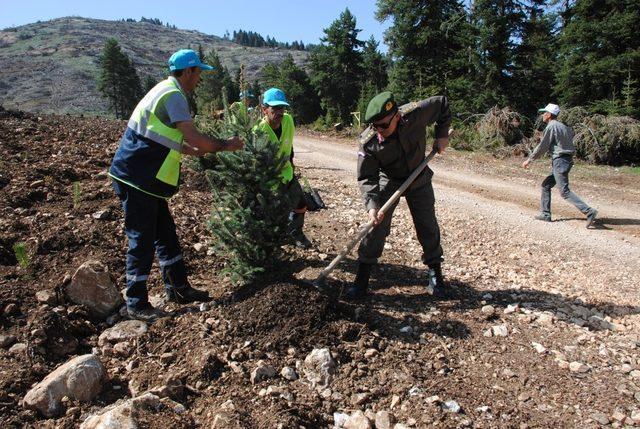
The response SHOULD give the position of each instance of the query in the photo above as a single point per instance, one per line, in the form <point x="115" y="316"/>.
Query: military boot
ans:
<point x="435" y="282"/>
<point x="358" y="289"/>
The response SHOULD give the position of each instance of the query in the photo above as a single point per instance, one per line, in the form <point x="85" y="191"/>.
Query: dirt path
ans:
<point x="502" y="209"/>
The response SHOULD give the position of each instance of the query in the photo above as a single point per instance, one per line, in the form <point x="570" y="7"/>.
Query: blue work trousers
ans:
<point x="149" y="227"/>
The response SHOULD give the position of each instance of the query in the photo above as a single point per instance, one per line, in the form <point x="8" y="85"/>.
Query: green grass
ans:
<point x="20" y="251"/>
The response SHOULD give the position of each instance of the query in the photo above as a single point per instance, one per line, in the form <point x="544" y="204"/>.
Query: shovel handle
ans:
<point x="369" y="225"/>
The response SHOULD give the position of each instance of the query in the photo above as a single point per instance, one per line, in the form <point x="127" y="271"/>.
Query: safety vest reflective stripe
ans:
<point x="144" y="122"/>
<point x="142" y="128"/>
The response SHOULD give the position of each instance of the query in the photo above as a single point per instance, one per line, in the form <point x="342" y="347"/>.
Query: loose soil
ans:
<point x="395" y="351"/>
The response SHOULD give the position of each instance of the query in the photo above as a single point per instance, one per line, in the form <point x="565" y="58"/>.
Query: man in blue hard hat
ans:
<point x="146" y="173"/>
<point x="278" y="126"/>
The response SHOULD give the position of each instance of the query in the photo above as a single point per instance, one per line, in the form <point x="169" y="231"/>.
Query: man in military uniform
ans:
<point x="391" y="148"/>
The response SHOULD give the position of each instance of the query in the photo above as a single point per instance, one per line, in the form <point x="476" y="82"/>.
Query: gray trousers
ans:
<point x="421" y="205"/>
<point x="560" y="168"/>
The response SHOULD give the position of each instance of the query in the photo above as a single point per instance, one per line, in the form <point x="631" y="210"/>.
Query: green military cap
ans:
<point x="380" y="106"/>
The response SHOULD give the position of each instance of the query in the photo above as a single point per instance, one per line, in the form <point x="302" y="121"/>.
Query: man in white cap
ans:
<point x="557" y="139"/>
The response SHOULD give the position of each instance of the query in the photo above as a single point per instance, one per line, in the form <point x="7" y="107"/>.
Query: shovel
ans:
<point x="319" y="282"/>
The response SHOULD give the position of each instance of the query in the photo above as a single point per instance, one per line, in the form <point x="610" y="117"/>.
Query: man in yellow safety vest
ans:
<point x="279" y="127"/>
<point x="146" y="173"/>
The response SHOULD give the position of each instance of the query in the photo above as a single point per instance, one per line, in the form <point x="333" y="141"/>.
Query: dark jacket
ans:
<point x="388" y="162"/>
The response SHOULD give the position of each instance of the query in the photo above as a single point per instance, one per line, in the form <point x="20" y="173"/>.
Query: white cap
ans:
<point x="554" y="109"/>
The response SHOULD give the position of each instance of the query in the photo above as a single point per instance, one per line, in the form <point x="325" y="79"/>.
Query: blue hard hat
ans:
<point x="274" y="97"/>
<point x="185" y="58"/>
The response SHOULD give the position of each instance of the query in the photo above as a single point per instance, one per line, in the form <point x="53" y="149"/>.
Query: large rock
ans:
<point x="123" y="331"/>
<point x="319" y="367"/>
<point x="91" y="286"/>
<point x="358" y="420"/>
<point x="261" y="372"/>
<point x="122" y="416"/>
<point x="79" y="379"/>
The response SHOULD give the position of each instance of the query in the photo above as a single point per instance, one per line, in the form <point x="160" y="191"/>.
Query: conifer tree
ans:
<point x="429" y="44"/>
<point x="337" y="67"/>
<point x="250" y="206"/>
<point x="118" y="80"/>
<point x="599" y="44"/>
<point x="535" y="61"/>
<point x="209" y="91"/>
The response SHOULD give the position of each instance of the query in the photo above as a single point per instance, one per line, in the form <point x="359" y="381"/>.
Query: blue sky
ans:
<point x="286" y="20"/>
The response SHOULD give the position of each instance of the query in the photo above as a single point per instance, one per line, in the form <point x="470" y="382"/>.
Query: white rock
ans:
<point x="384" y="420"/>
<point x="406" y="329"/>
<point x="635" y="374"/>
<point x="91" y="286"/>
<point x="511" y="308"/>
<point x="123" y="331"/>
<point x="578" y="367"/>
<point x="339" y="419"/>
<point x="120" y="417"/>
<point x="500" y="330"/>
<point x="18" y="349"/>
<point x="79" y="379"/>
<point x="319" y="367"/>
<point x="394" y="401"/>
<point x="199" y="247"/>
<point x="544" y="319"/>
<point x="358" y="420"/>
<point x="451" y="406"/>
<point x="488" y="310"/>
<point x="100" y="215"/>
<point x="432" y="399"/>
<point x="46" y="297"/>
<point x="262" y="372"/>
<point x="370" y="353"/>
<point x="289" y="373"/>
<point x="539" y="347"/>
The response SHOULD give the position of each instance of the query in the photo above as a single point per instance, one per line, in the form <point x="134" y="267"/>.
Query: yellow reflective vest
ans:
<point x="150" y="152"/>
<point x="286" y="143"/>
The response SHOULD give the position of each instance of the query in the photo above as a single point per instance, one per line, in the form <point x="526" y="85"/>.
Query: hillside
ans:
<point x="51" y="66"/>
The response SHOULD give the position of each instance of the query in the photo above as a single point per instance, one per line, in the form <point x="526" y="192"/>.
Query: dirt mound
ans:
<point x="281" y="314"/>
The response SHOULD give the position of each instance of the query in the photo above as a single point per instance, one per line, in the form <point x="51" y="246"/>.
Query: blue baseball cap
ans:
<point x="185" y="58"/>
<point x="274" y="97"/>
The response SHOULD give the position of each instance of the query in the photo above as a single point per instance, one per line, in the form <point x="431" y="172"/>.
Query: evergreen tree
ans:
<point x="497" y="23"/>
<point x="149" y="82"/>
<point x="208" y="93"/>
<point x="250" y="206"/>
<point x="534" y="61"/>
<point x="599" y="45"/>
<point x="296" y="84"/>
<point x="429" y="43"/>
<point x="118" y="80"/>
<point x="337" y="68"/>
<point x="374" y="66"/>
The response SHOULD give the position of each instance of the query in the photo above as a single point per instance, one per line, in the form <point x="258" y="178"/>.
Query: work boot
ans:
<point x="187" y="295"/>
<point x="146" y="313"/>
<point x="591" y="217"/>
<point x="435" y="282"/>
<point x="543" y="217"/>
<point x="358" y="289"/>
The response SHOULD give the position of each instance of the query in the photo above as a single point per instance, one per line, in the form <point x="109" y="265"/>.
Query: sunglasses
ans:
<point x="379" y="126"/>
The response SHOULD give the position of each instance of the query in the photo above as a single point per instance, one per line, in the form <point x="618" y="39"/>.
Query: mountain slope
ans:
<point x="52" y="66"/>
